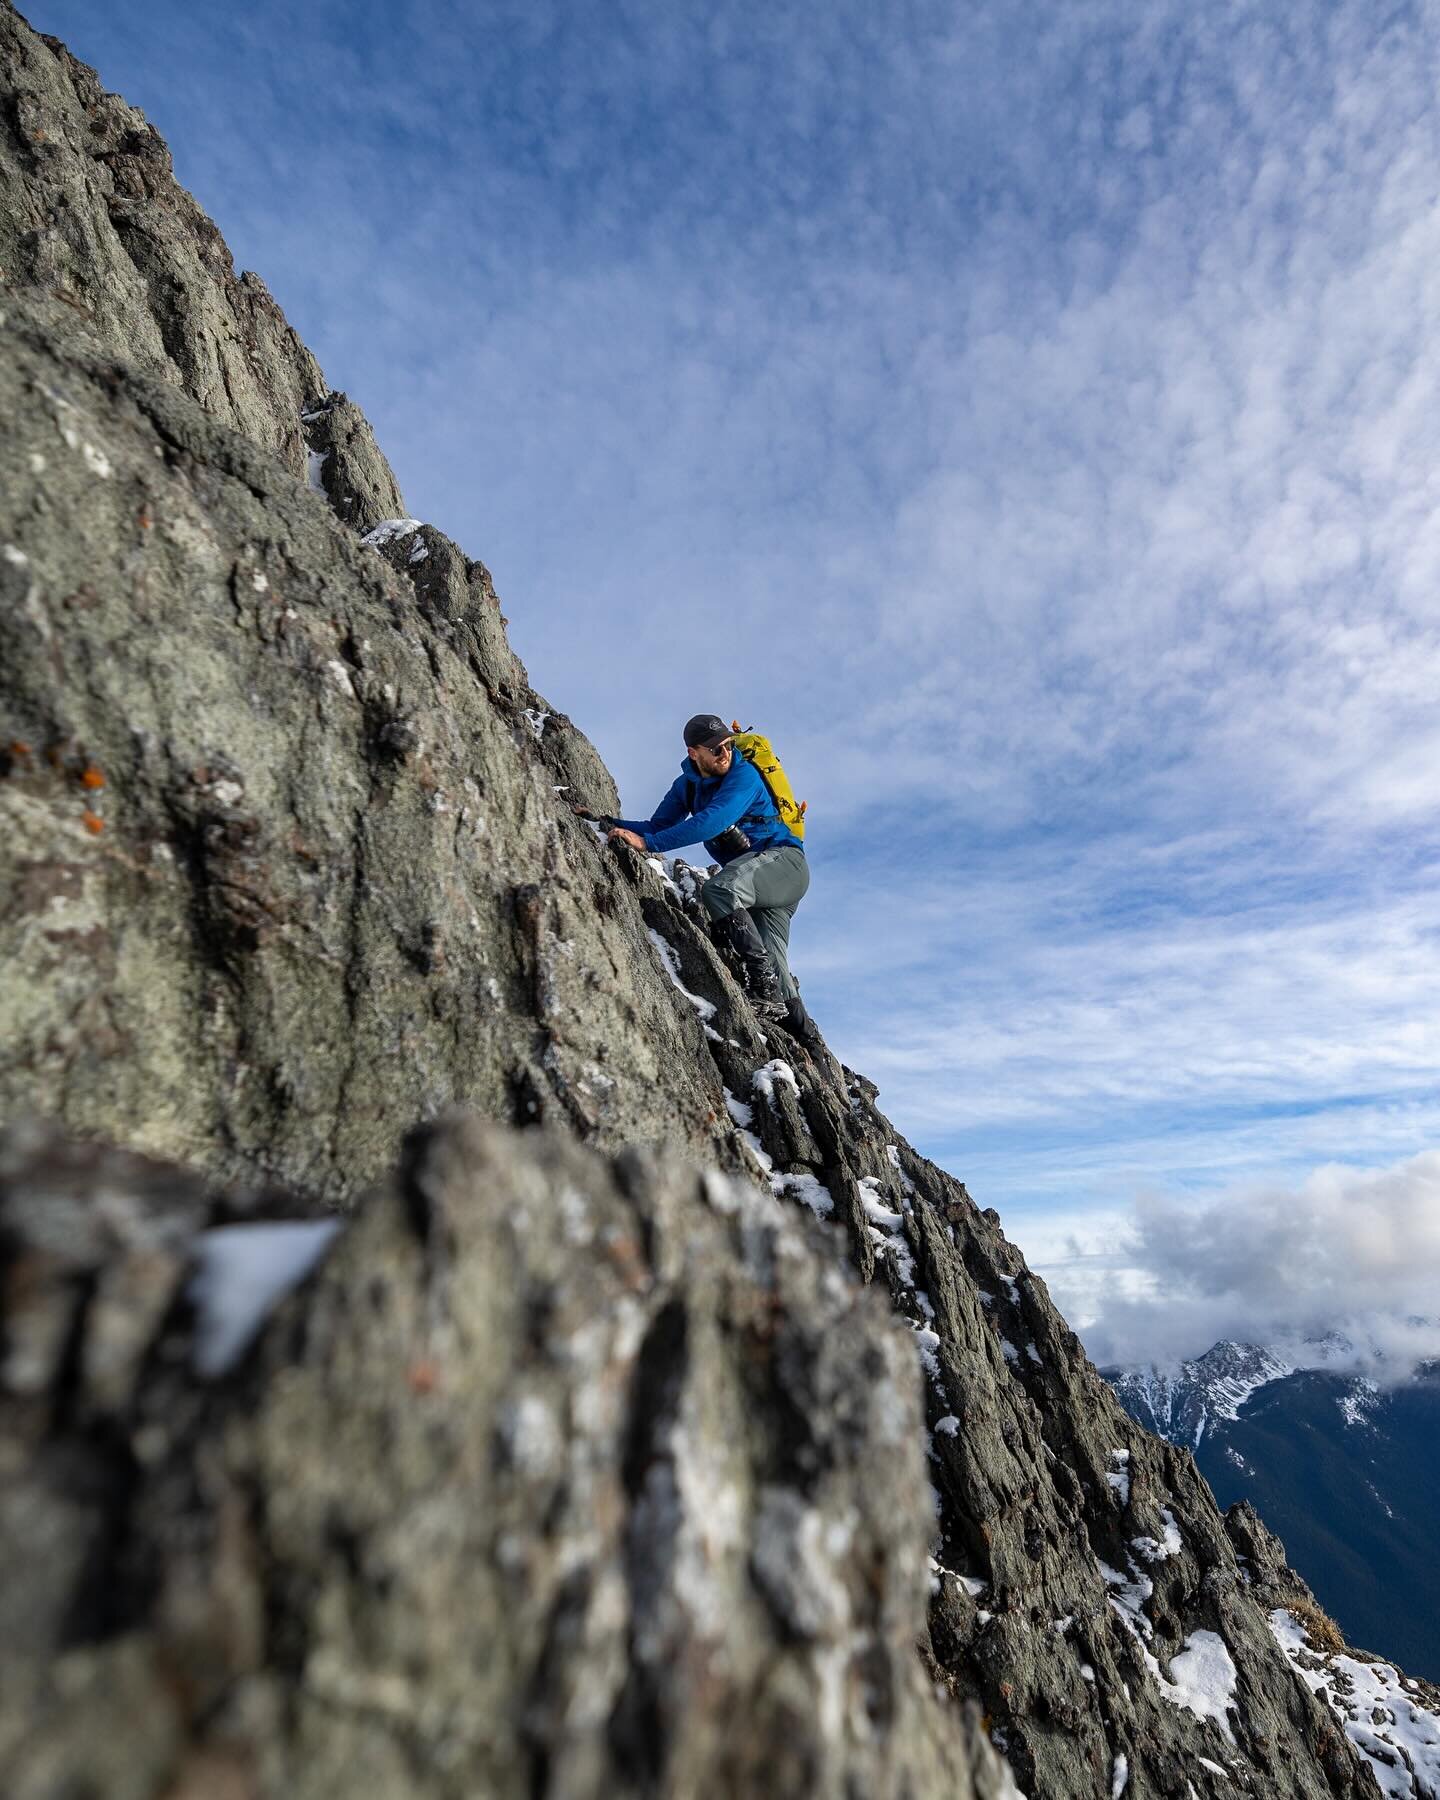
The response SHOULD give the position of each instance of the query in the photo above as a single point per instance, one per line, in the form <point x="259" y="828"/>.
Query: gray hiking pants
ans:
<point x="770" y="884"/>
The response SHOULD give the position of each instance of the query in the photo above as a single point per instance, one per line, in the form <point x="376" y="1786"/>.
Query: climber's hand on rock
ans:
<point x="632" y="838"/>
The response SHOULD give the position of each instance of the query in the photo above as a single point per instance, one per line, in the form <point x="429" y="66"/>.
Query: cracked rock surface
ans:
<point x="547" y="1481"/>
<point x="94" y="223"/>
<point x="656" y="1421"/>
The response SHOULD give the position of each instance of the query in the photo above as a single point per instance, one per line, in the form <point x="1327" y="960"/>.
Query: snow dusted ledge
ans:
<point x="1398" y="1737"/>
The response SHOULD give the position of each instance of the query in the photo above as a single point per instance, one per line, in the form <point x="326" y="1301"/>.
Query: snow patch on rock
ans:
<point x="766" y="1077"/>
<point x="242" y="1272"/>
<point x="705" y="1009"/>
<point x="1202" y="1679"/>
<point x="1397" y="1737"/>
<point x="387" y="529"/>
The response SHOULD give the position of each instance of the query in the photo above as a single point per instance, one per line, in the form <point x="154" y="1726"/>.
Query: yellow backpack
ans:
<point x="760" y="754"/>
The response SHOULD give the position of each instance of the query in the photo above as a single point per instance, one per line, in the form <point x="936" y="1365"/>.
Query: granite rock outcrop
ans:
<point x="646" y="1416"/>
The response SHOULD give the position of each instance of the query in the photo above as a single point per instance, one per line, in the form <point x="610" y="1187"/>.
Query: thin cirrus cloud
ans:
<point x="1055" y="1013"/>
<point x="1026" y="412"/>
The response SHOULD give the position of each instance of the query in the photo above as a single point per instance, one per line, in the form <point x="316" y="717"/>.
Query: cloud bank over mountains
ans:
<point x="1349" y="1252"/>
<point x="1026" y="414"/>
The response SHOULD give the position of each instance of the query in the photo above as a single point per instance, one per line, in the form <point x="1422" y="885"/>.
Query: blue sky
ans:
<point x="1027" y="413"/>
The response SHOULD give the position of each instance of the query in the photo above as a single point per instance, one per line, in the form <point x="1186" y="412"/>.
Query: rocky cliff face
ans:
<point x="704" y="1440"/>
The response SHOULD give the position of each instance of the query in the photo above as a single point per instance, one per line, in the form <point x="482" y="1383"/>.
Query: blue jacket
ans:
<point x="699" y="807"/>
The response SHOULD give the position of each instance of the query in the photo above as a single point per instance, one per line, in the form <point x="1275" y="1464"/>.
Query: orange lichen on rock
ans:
<point x="423" y="1376"/>
<point x="91" y="777"/>
<point x="18" y="747"/>
<point x="92" y="822"/>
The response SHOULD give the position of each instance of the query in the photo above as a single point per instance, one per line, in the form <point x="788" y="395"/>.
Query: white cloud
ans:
<point x="1350" y="1250"/>
<point x="1041" y="991"/>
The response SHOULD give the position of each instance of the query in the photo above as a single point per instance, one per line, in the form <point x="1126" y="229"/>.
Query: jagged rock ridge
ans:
<point x="291" y="867"/>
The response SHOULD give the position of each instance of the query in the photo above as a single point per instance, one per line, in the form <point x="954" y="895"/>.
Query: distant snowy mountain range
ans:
<point x="1185" y="1403"/>
<point x="1345" y="1469"/>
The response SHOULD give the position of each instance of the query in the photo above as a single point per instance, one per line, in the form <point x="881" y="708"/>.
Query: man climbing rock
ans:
<point x="721" y="799"/>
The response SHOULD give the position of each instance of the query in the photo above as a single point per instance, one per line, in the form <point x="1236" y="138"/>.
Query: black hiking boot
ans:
<point x="800" y="1025"/>
<point x="738" y="932"/>
<point x="807" y="1034"/>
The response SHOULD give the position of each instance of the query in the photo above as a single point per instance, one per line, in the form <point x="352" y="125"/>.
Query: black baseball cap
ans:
<point x="706" y="731"/>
